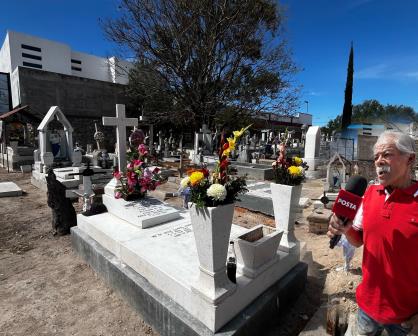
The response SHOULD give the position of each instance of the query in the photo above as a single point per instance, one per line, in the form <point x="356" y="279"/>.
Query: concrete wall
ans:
<point x="57" y="57"/>
<point x="15" y="87"/>
<point x="119" y="70"/>
<point x="91" y="66"/>
<point x="82" y="100"/>
<point x="5" y="64"/>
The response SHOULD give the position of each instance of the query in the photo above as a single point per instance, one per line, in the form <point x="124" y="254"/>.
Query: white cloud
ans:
<point x="316" y="93"/>
<point x="412" y="74"/>
<point x="372" y="72"/>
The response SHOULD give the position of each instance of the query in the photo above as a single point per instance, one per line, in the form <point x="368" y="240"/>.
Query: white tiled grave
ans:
<point x="142" y="213"/>
<point x="9" y="189"/>
<point x="262" y="189"/>
<point x="166" y="256"/>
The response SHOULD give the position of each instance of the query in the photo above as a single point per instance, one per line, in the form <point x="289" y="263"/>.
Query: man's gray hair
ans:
<point x="403" y="142"/>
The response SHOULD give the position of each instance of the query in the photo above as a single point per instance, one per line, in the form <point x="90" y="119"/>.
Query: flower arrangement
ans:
<point x="219" y="187"/>
<point x="288" y="171"/>
<point x="138" y="178"/>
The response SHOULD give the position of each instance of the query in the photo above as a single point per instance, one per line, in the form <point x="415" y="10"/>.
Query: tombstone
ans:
<point x="243" y="155"/>
<point x="253" y="142"/>
<point x="313" y="139"/>
<point x="55" y="145"/>
<point x="160" y="141"/>
<point x="166" y="147"/>
<point x="89" y="208"/>
<point x="264" y="136"/>
<point x="121" y="122"/>
<point x="215" y="141"/>
<point x="89" y="149"/>
<point x="170" y="139"/>
<point x="203" y="139"/>
<point x="336" y="173"/>
<point x="77" y="158"/>
<point x="255" y="157"/>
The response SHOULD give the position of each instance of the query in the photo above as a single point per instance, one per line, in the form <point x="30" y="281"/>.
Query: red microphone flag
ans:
<point x="346" y="204"/>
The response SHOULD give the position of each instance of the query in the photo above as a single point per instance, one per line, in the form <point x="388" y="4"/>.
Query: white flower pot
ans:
<point x="257" y="249"/>
<point x="285" y="203"/>
<point x="211" y="229"/>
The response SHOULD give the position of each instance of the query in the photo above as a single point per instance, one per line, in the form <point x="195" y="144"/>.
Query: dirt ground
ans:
<point x="46" y="289"/>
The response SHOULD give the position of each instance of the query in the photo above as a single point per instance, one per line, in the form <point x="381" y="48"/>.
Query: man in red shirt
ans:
<point x="387" y="225"/>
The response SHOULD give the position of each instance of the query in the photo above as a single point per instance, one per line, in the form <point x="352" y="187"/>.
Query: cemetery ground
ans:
<point x="45" y="288"/>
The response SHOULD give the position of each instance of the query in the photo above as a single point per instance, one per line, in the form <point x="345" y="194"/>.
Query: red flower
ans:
<point x="224" y="164"/>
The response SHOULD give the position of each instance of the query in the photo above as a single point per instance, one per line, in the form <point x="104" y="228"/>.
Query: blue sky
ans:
<point x="384" y="33"/>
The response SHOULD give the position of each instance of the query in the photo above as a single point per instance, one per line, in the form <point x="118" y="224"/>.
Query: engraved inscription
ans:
<point x="176" y="232"/>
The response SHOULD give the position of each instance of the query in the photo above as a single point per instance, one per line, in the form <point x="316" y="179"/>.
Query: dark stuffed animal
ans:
<point x="63" y="213"/>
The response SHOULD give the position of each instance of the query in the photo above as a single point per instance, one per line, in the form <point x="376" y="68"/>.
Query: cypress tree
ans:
<point x="348" y="95"/>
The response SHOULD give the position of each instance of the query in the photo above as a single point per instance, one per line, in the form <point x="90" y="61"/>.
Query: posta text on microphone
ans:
<point x="348" y="201"/>
<point x="346" y="205"/>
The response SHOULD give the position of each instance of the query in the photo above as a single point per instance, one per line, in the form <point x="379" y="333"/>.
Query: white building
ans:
<point x="22" y="50"/>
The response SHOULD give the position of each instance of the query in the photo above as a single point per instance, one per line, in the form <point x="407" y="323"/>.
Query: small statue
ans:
<point x="98" y="137"/>
<point x="63" y="213"/>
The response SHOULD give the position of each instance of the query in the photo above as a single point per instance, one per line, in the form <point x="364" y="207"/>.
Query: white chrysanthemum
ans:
<point x="217" y="192"/>
<point x="184" y="182"/>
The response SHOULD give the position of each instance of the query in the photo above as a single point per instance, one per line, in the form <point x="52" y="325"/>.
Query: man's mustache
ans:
<point x="383" y="169"/>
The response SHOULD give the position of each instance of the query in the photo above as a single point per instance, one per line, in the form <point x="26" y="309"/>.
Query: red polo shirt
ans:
<point x="389" y="290"/>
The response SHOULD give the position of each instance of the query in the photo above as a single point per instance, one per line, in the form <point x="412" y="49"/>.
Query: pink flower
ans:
<point x="143" y="189"/>
<point x="137" y="164"/>
<point x="156" y="170"/>
<point x="130" y="166"/>
<point x="118" y="194"/>
<point x="142" y="149"/>
<point x="117" y="174"/>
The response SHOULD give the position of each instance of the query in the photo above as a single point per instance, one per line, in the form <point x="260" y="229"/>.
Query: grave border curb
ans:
<point x="165" y="315"/>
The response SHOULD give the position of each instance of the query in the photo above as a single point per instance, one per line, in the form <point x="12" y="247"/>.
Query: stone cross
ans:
<point x="121" y="122"/>
<point x="204" y="129"/>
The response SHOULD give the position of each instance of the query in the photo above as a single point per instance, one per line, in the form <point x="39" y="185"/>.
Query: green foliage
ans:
<point x="196" y="59"/>
<point x="348" y="94"/>
<point x="371" y="111"/>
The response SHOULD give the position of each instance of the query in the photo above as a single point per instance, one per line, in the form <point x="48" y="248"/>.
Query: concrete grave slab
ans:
<point x="165" y="255"/>
<point x="9" y="189"/>
<point x="259" y="199"/>
<point x="169" y="317"/>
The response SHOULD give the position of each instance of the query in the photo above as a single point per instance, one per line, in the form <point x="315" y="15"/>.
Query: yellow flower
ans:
<point x="297" y="160"/>
<point x="231" y="142"/>
<point x="237" y="134"/>
<point x="295" y="171"/>
<point x="226" y="152"/>
<point x="196" y="177"/>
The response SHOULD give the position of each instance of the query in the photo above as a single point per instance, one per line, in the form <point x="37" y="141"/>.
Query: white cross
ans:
<point x="121" y="122"/>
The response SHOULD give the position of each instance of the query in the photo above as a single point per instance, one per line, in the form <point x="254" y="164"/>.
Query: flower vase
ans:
<point x="285" y="205"/>
<point x="211" y="229"/>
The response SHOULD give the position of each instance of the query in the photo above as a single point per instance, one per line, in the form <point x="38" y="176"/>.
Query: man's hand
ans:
<point x="412" y="323"/>
<point x="337" y="227"/>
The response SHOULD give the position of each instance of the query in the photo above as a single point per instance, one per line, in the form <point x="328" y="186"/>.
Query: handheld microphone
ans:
<point x="348" y="201"/>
